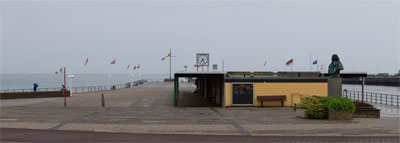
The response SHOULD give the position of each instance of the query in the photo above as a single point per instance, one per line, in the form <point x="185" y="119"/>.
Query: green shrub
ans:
<point x="324" y="100"/>
<point x="314" y="108"/>
<point x="340" y="104"/>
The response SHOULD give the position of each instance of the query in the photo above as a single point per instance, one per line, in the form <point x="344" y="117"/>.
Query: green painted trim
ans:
<point x="175" y="91"/>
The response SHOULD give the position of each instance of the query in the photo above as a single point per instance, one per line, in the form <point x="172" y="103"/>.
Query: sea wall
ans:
<point x="44" y="94"/>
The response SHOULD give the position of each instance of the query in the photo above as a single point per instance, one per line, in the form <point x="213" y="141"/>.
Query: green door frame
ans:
<point x="176" y="90"/>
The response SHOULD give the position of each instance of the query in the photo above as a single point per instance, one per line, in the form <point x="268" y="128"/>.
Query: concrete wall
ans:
<point x="296" y="90"/>
<point x="18" y="95"/>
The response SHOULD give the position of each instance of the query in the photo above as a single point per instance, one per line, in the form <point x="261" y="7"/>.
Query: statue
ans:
<point x="335" y="67"/>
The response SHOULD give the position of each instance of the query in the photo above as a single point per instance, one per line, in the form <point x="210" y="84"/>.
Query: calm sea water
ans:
<point x="25" y="81"/>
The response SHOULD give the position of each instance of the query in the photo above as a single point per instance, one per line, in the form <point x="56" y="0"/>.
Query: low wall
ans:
<point x="44" y="94"/>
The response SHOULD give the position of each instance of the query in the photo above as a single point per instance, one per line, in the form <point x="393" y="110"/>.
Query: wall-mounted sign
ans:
<point x="215" y="67"/>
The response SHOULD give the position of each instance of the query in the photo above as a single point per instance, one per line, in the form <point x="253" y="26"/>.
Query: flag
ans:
<point x="265" y="63"/>
<point x="113" y="62"/>
<point x="134" y="68"/>
<point x="56" y="72"/>
<point x="169" y="55"/>
<point x="195" y="66"/>
<point x="61" y="70"/>
<point x="315" y="62"/>
<point x="289" y="62"/>
<point x="87" y="60"/>
<point x="163" y="59"/>
<point x="138" y="66"/>
<point x="127" y="68"/>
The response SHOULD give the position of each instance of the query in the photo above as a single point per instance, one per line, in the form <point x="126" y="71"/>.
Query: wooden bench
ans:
<point x="281" y="98"/>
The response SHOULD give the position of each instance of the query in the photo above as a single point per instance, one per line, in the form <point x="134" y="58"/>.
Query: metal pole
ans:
<point x="170" y="64"/>
<point x="223" y="66"/>
<point x="386" y="98"/>
<point x="65" y="89"/>
<point x="363" y="87"/>
<point x="391" y="100"/>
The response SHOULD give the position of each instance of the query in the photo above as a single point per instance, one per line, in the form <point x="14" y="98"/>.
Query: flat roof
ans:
<point x="275" y="79"/>
<point x="200" y="74"/>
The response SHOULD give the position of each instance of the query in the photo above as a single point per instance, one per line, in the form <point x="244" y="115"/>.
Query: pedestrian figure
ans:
<point x="35" y="86"/>
<point x="63" y="87"/>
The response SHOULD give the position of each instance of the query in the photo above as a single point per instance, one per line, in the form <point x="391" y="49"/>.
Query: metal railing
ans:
<point x="379" y="98"/>
<point x="80" y="88"/>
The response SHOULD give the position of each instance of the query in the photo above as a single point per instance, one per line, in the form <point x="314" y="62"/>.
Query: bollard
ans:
<point x="103" y="102"/>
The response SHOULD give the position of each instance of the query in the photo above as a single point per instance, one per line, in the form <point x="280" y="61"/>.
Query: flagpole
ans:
<point x="310" y="62"/>
<point x="317" y="63"/>
<point x="170" y="65"/>
<point x="65" y="88"/>
<point x="292" y="66"/>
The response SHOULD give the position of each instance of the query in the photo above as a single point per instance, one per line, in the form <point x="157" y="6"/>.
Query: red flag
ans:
<point x="169" y="55"/>
<point x="127" y="67"/>
<point x="195" y="66"/>
<point x="113" y="62"/>
<point x="87" y="60"/>
<point x="134" y="68"/>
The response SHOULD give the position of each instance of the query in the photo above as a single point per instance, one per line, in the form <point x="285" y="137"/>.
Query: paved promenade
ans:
<point x="148" y="109"/>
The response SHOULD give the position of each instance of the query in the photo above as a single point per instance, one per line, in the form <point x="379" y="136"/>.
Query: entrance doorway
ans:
<point x="242" y="94"/>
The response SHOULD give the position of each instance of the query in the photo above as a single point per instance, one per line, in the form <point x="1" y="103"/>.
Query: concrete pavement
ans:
<point x="148" y="109"/>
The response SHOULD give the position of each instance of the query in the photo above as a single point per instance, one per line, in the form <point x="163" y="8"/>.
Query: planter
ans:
<point x="367" y="112"/>
<point x="340" y="115"/>
<point x="301" y="113"/>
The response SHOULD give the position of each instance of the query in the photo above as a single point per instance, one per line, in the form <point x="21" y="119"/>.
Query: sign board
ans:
<point x="202" y="59"/>
<point x="215" y="67"/>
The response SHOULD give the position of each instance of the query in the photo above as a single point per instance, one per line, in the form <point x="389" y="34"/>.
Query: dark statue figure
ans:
<point x="335" y="67"/>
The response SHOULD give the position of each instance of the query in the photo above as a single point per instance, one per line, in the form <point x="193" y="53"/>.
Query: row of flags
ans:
<point x="290" y="62"/>
<point x="136" y="67"/>
<point x="61" y="71"/>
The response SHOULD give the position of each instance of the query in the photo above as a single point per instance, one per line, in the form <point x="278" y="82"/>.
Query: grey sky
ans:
<point x="42" y="36"/>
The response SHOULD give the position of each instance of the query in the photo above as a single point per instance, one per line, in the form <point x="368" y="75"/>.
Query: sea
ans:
<point x="25" y="81"/>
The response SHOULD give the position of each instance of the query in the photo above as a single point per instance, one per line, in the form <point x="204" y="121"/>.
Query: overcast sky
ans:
<point x="42" y="36"/>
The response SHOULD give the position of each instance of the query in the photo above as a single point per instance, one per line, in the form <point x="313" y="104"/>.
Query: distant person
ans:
<point x="63" y="87"/>
<point x="35" y="86"/>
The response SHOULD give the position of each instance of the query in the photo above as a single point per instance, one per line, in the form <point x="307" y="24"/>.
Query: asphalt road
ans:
<point x="33" y="135"/>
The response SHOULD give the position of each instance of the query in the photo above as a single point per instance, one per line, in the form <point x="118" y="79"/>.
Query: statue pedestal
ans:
<point x="334" y="87"/>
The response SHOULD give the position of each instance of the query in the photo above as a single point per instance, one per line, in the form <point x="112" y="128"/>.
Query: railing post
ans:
<point x="391" y="100"/>
<point x="386" y="99"/>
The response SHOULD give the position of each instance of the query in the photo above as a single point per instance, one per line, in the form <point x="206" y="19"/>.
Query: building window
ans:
<point x="242" y="94"/>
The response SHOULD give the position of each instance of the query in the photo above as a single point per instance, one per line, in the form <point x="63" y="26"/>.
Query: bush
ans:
<point x="315" y="109"/>
<point x="324" y="100"/>
<point x="340" y="104"/>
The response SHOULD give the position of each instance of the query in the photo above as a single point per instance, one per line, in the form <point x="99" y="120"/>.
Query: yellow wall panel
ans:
<point x="288" y="89"/>
<point x="297" y="90"/>
<point x="228" y="94"/>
